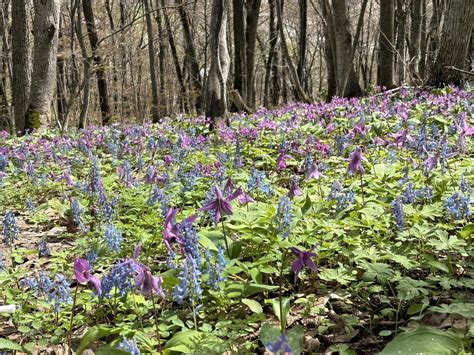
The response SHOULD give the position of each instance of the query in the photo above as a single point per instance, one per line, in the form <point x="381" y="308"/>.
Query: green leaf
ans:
<point x="424" y="340"/>
<point x="307" y="205"/>
<point x="94" y="334"/>
<point x="286" y="309"/>
<point x="6" y="344"/>
<point x="254" y="306"/>
<point x="206" y="243"/>
<point x="251" y="288"/>
<point x="295" y="337"/>
<point x="269" y="334"/>
<point x="108" y="350"/>
<point x="183" y="341"/>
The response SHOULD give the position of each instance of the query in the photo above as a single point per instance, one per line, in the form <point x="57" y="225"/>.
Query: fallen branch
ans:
<point x="238" y="101"/>
<point x="450" y="67"/>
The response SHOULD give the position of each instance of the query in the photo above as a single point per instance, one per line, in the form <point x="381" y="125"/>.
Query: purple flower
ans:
<point x="294" y="187"/>
<point x="281" y="161"/>
<point x="303" y="258"/>
<point x="280" y="346"/>
<point x="355" y="162"/>
<point x="221" y="206"/>
<point x="171" y="228"/>
<point x="83" y="274"/>
<point x="148" y="284"/>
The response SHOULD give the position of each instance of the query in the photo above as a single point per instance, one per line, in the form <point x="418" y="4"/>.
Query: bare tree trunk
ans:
<point x="423" y="42"/>
<point x="343" y="45"/>
<point x="21" y="51"/>
<point x="151" y="59"/>
<point x="240" y="83"/>
<point x="401" y="28"/>
<point x="216" y="90"/>
<point x="174" y="53"/>
<point x="6" y="122"/>
<point x="271" y="69"/>
<point x="302" y="42"/>
<point x="253" y="12"/>
<point x="300" y="94"/>
<point x="459" y="20"/>
<point x="46" y="30"/>
<point x="387" y="58"/>
<point x="191" y="57"/>
<point x="99" y="70"/>
<point x="415" y="38"/>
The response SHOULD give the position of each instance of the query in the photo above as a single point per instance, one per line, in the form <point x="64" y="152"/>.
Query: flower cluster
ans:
<point x="284" y="216"/>
<point x="10" y="228"/>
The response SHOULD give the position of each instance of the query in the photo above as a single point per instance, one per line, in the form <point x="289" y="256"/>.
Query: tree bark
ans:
<point x="341" y="45"/>
<point x="191" y="61"/>
<point x="299" y="91"/>
<point x="415" y="38"/>
<point x="46" y="30"/>
<point x="302" y="42"/>
<point x="459" y="20"/>
<point x="99" y="70"/>
<point x="6" y="122"/>
<point x="155" y="113"/>
<point x="216" y="90"/>
<point x="240" y="67"/>
<point x="21" y="51"/>
<point x="387" y="58"/>
<point x="401" y="28"/>
<point x="253" y="12"/>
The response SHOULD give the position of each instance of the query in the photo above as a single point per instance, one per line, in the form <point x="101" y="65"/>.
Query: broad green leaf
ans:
<point x="284" y="311"/>
<point x="93" y="334"/>
<point x="6" y="344"/>
<point x="424" y="340"/>
<point x="254" y="306"/>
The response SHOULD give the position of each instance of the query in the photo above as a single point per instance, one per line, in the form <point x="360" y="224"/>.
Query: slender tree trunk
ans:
<point x="99" y="70"/>
<point x="415" y="38"/>
<point x="300" y="94"/>
<point x="6" y="122"/>
<point x="151" y="60"/>
<point x="253" y="12"/>
<point x="240" y="67"/>
<point x="216" y="90"/>
<point x="21" y="51"/>
<point x="46" y="30"/>
<point x="459" y="20"/>
<point x="401" y="28"/>
<point x="302" y="42"/>
<point x="343" y="45"/>
<point x="329" y="51"/>
<point x="387" y="58"/>
<point x="271" y="68"/>
<point x="423" y="42"/>
<point x="191" y="61"/>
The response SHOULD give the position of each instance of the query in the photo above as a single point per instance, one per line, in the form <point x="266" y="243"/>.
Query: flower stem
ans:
<point x="157" y="330"/>
<point x="362" y="188"/>
<point x="280" y="292"/>
<point x="225" y="240"/>
<point x="69" y="342"/>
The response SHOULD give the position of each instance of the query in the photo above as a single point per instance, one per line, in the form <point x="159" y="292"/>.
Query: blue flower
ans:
<point x="10" y="228"/>
<point x="2" y="262"/>
<point x="120" y="277"/>
<point x="283" y="216"/>
<point x="280" y="346"/>
<point x="76" y="211"/>
<point x="43" y="249"/>
<point x="180" y="292"/>
<point x="129" y="346"/>
<point x="397" y="209"/>
<point x="458" y="206"/>
<point x="113" y="237"/>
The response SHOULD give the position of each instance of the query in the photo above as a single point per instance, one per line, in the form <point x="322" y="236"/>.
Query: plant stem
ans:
<point x="69" y="342"/>
<point x="280" y="292"/>
<point x="362" y="188"/>
<point x="225" y="239"/>
<point x="156" y="321"/>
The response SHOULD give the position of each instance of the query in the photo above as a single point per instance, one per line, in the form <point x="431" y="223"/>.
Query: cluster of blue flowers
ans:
<point x="129" y="345"/>
<point x="10" y="228"/>
<point x="113" y="238"/>
<point x="343" y="197"/>
<point x="158" y="195"/>
<point x="76" y="211"/>
<point x="125" y="174"/>
<point x="215" y="269"/>
<point x="191" y="266"/>
<point x="43" y="249"/>
<point x="284" y="216"/>
<point x="412" y="195"/>
<point x="397" y="209"/>
<point x="458" y="206"/>
<point x="121" y="277"/>
<point x="258" y="182"/>
<point x="56" y="290"/>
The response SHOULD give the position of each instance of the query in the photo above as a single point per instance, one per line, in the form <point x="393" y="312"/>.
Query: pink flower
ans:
<point x="303" y="258"/>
